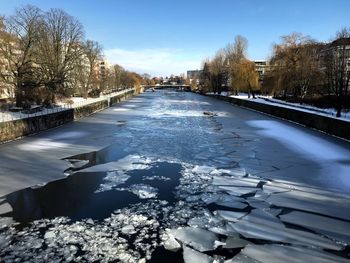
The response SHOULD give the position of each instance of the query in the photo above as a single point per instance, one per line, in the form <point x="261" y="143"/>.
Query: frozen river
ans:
<point x="179" y="176"/>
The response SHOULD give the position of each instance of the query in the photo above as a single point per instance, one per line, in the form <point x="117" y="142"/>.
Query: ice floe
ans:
<point x="143" y="191"/>
<point x="112" y="180"/>
<point x="200" y="239"/>
<point x="193" y="256"/>
<point x="262" y="225"/>
<point x="334" y="228"/>
<point x="230" y="215"/>
<point x="312" y="202"/>
<point x="288" y="254"/>
<point x="216" y="210"/>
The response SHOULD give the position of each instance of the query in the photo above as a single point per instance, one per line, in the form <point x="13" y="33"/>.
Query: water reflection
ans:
<point x="76" y="196"/>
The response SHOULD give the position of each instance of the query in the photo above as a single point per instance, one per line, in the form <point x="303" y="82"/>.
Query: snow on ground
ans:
<point x="77" y="102"/>
<point x="329" y="112"/>
<point x="309" y="146"/>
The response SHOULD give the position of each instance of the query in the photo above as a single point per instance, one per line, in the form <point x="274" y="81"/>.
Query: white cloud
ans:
<point x="153" y="61"/>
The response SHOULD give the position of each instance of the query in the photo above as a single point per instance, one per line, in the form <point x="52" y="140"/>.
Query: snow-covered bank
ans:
<point x="77" y="102"/>
<point x="328" y="112"/>
<point x="311" y="118"/>
<point x="310" y="147"/>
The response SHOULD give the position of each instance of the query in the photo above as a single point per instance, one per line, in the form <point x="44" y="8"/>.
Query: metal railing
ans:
<point x="6" y="116"/>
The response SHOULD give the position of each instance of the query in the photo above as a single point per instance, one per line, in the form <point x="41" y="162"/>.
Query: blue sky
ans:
<point x="164" y="37"/>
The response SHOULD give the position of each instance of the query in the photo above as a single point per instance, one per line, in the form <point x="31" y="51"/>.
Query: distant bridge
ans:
<point x="167" y="86"/>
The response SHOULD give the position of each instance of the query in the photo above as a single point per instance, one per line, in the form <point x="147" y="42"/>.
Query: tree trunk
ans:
<point x="19" y="93"/>
<point x="339" y="106"/>
<point x="253" y="94"/>
<point x="19" y="97"/>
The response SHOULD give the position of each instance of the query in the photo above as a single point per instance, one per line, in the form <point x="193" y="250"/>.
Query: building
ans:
<point x="262" y="67"/>
<point x="104" y="67"/>
<point x="335" y="57"/>
<point x="194" y="75"/>
<point x="7" y="90"/>
<point x="340" y="49"/>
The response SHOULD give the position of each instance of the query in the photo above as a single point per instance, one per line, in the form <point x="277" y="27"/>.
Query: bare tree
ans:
<point x="118" y="75"/>
<point x="146" y="79"/>
<point x="92" y="53"/>
<point x="217" y="71"/>
<point x="295" y="66"/>
<point x="235" y="53"/>
<point x="204" y="79"/>
<point x="18" y="50"/>
<point x="246" y="78"/>
<point x="60" y="38"/>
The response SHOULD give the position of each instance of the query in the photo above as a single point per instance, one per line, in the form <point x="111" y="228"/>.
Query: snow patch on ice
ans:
<point x="143" y="191"/>
<point x="111" y="180"/>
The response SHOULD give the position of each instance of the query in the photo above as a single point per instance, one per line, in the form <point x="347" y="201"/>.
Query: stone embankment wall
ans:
<point x="12" y="130"/>
<point x="333" y="126"/>
<point x="91" y="108"/>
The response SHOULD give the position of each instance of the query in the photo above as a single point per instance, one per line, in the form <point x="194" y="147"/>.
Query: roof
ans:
<point x="341" y="41"/>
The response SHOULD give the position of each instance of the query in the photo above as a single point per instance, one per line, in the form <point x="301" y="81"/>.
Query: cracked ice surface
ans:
<point x="195" y="224"/>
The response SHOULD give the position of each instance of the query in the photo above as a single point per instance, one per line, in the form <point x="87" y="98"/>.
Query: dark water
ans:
<point x="105" y="155"/>
<point x="75" y="195"/>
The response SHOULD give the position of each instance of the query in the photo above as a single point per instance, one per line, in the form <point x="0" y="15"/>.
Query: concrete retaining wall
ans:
<point x="12" y="130"/>
<point x="117" y="99"/>
<point x="333" y="126"/>
<point x="89" y="109"/>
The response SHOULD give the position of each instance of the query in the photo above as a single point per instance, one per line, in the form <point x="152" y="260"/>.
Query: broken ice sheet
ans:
<point x="224" y="200"/>
<point x="230" y="215"/>
<point x="234" y="181"/>
<point x="200" y="239"/>
<point x="202" y="169"/>
<point x="256" y="203"/>
<point x="4" y="240"/>
<point x="169" y="241"/>
<point x="5" y="208"/>
<point x="209" y="198"/>
<point x="280" y="253"/>
<point x="238" y="172"/>
<point x="310" y="202"/>
<point x="5" y="222"/>
<point x="193" y="256"/>
<point x="204" y="220"/>
<point x="111" y="180"/>
<point x="235" y="205"/>
<point x="241" y="258"/>
<point x="224" y="229"/>
<point x="238" y="191"/>
<point x="77" y="163"/>
<point x="143" y="191"/>
<point x="331" y="227"/>
<point x="262" y="225"/>
<point x="272" y="211"/>
<point x="310" y="189"/>
<point x="235" y="242"/>
<point x="130" y="162"/>
<point x="272" y="187"/>
<point x="156" y="177"/>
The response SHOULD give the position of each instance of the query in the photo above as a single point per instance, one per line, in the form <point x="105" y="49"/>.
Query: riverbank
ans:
<point x="34" y="123"/>
<point x="328" y="124"/>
